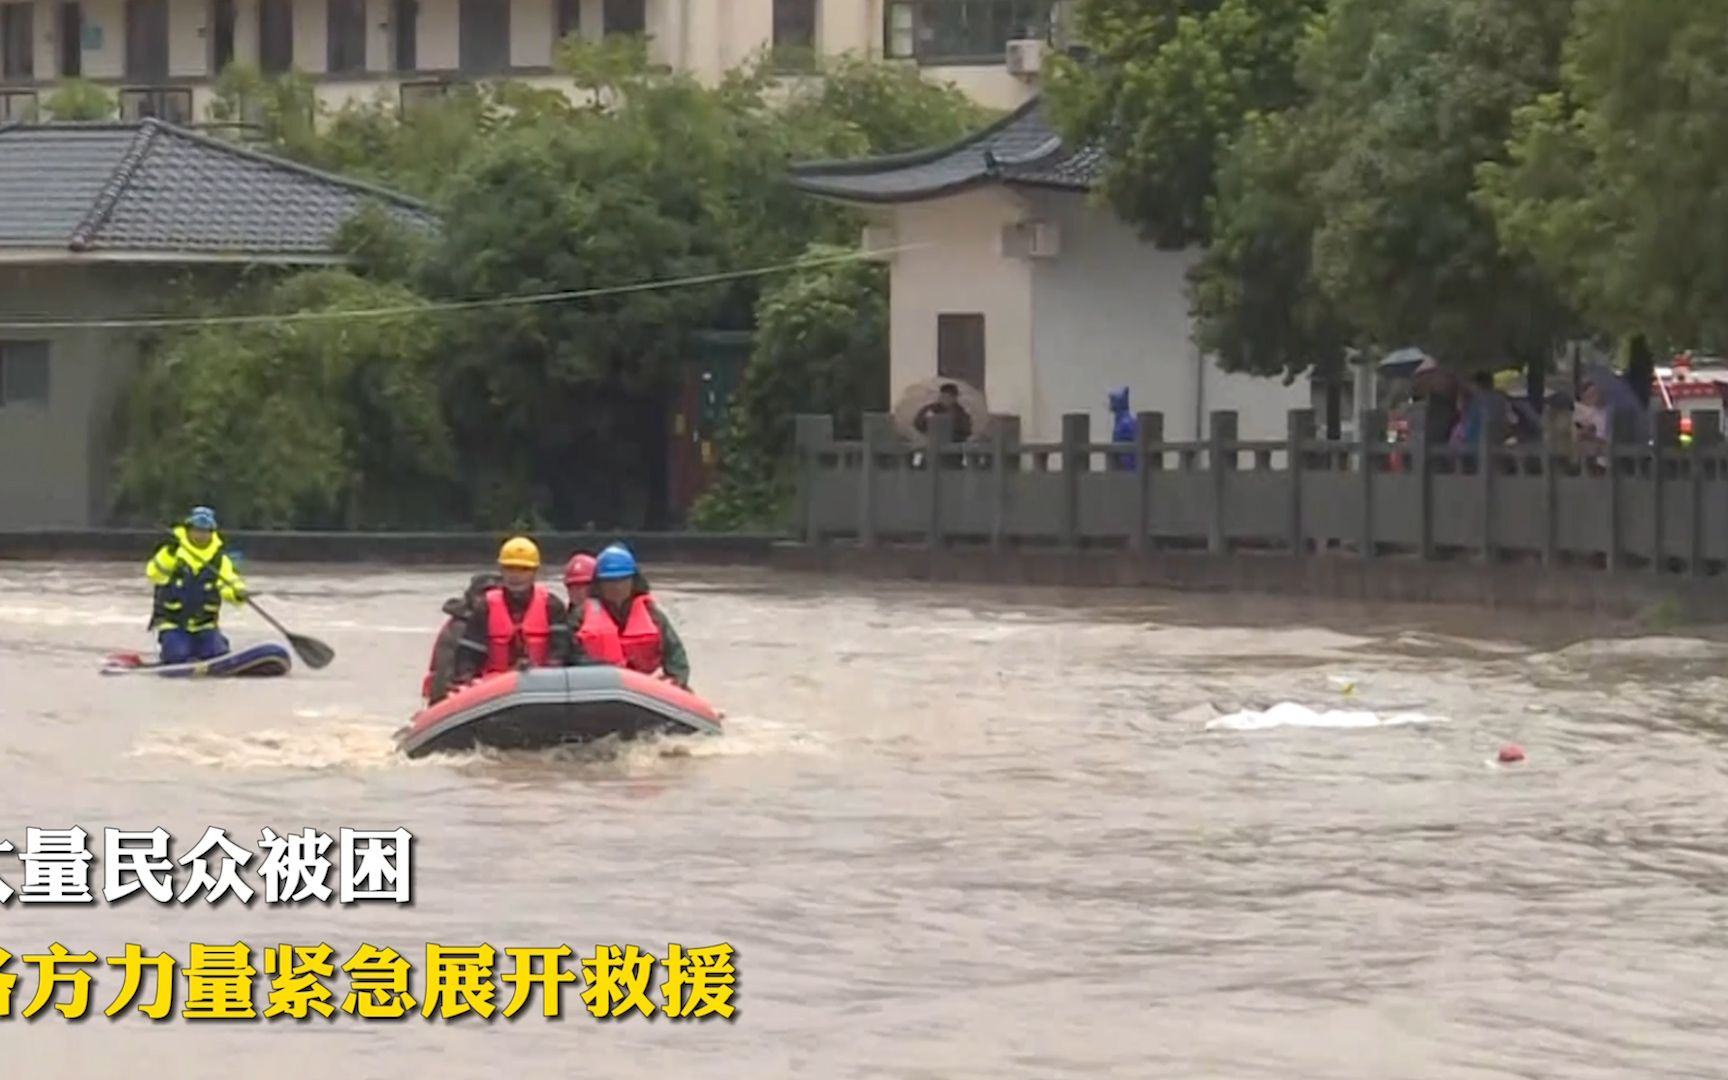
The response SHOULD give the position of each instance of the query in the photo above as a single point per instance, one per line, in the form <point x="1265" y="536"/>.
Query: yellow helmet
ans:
<point x="519" y="552"/>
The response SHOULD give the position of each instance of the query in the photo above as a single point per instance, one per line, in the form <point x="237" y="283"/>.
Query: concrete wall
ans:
<point x="66" y="448"/>
<point x="1659" y="507"/>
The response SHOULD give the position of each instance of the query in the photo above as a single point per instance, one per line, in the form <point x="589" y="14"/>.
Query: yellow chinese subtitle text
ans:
<point x="228" y="982"/>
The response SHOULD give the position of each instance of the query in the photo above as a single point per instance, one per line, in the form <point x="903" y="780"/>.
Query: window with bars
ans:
<point x="794" y="35"/>
<point x="17" y="42"/>
<point x="23" y="373"/>
<point x="345" y="37"/>
<point x="961" y="31"/>
<point x="567" y="18"/>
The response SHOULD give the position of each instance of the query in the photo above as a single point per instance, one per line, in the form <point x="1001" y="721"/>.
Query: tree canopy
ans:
<point x="1483" y="178"/>
<point x="1616" y="182"/>
<point x="1167" y="90"/>
<point x="647" y="211"/>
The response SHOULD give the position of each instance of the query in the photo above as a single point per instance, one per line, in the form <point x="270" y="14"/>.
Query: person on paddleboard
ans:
<point x="192" y="575"/>
<point x="441" y="669"/>
<point x="520" y="624"/>
<point x="620" y="624"/>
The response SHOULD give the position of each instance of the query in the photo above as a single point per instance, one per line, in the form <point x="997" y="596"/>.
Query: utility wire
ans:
<point x="437" y="306"/>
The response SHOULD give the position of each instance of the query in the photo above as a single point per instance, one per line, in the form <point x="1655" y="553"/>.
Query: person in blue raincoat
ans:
<point x="192" y="575"/>
<point x="1126" y="427"/>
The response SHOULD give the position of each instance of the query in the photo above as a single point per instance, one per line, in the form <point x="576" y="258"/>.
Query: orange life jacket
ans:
<point x="638" y="646"/>
<point x="508" y="640"/>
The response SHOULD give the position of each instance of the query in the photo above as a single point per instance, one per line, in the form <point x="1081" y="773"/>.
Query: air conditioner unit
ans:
<point x="1043" y="240"/>
<point x="421" y="92"/>
<point x="1030" y="240"/>
<point x="878" y="241"/>
<point x="1025" y="56"/>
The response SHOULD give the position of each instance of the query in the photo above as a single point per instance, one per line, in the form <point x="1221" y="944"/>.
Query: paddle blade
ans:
<point x="314" y="653"/>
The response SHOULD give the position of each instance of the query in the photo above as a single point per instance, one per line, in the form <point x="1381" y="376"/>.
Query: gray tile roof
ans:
<point x="1021" y="149"/>
<point x="151" y="188"/>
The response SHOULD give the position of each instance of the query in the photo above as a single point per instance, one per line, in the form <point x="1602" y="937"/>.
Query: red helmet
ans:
<point x="579" y="570"/>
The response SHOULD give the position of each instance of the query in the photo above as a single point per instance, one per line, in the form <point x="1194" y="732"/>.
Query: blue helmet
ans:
<point x="614" y="563"/>
<point x="201" y="517"/>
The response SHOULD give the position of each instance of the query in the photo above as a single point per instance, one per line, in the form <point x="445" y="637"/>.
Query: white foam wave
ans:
<point x="334" y="738"/>
<point x="1290" y="714"/>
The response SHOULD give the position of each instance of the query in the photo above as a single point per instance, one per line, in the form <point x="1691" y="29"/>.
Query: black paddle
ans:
<point x="313" y="652"/>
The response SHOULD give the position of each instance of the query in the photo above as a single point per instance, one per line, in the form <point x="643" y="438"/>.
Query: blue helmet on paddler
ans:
<point x="623" y="626"/>
<point x="191" y="575"/>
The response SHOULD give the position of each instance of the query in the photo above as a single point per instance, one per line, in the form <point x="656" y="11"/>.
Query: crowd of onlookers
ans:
<point x="1454" y="409"/>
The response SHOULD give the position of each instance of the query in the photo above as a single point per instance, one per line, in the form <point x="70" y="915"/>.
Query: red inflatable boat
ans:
<point x="545" y="707"/>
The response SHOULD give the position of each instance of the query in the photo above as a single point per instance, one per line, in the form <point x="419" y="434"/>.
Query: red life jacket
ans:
<point x="508" y="640"/>
<point x="638" y="647"/>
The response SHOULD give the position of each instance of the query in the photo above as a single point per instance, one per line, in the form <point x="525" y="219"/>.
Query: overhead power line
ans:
<point x="434" y="307"/>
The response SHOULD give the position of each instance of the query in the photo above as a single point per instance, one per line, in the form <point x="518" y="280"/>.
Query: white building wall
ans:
<point x="961" y="272"/>
<point x="1111" y="310"/>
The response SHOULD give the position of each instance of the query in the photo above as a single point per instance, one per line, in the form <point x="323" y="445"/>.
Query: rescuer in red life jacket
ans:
<point x="521" y="624"/>
<point x="578" y="574"/>
<point x="441" y="671"/>
<point x="623" y="626"/>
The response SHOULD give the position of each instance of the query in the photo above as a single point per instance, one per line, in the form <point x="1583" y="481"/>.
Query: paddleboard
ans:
<point x="256" y="661"/>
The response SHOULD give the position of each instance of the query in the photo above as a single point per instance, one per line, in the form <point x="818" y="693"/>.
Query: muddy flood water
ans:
<point x="949" y="833"/>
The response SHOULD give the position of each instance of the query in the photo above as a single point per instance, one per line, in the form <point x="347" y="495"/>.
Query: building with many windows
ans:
<point x="162" y="57"/>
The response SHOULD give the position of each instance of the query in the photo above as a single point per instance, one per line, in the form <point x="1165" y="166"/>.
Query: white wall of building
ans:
<point x="960" y="272"/>
<point x="1107" y="310"/>
<point x="1111" y="310"/>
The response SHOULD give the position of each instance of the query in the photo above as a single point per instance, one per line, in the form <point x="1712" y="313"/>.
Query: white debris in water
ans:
<point x="1290" y="714"/>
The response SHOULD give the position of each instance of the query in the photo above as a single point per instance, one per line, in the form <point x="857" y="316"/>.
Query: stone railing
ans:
<point x="1657" y="505"/>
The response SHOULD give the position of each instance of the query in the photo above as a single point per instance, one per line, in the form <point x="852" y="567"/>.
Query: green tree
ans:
<point x="1410" y="98"/>
<point x="1614" y="183"/>
<point x="281" y="113"/>
<point x="859" y="107"/>
<point x="646" y="206"/>
<point x="1166" y="91"/>
<point x="77" y="100"/>
<point x="1257" y="305"/>
<point x="1352" y="218"/>
<point x="296" y="419"/>
<point x="669" y="185"/>
<point x="821" y="347"/>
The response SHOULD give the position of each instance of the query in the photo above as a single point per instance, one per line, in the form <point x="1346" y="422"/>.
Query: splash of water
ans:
<point x="331" y="739"/>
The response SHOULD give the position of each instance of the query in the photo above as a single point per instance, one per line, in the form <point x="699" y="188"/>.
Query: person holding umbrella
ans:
<point x="947" y="403"/>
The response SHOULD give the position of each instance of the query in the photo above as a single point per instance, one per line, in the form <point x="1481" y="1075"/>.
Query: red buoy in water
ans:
<point x="1511" y="753"/>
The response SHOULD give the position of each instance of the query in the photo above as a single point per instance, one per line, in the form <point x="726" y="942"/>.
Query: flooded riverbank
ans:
<point x="951" y="833"/>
